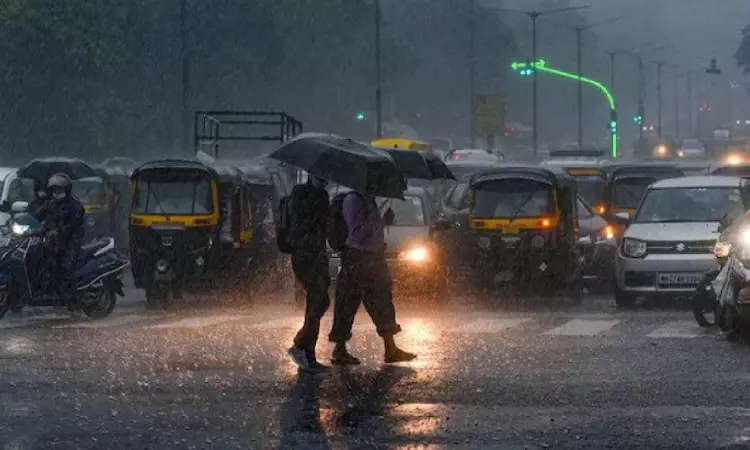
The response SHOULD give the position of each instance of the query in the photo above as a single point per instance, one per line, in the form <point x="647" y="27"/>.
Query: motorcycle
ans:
<point x="98" y="273"/>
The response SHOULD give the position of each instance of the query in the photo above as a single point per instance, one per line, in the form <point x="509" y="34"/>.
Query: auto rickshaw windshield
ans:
<point x="627" y="192"/>
<point x="515" y="198"/>
<point x="590" y="188"/>
<point x="187" y="196"/>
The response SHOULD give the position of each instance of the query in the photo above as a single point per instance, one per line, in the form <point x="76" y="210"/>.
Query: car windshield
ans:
<point x="173" y="197"/>
<point x="512" y="198"/>
<point x="89" y="191"/>
<point x="628" y="192"/>
<point x="409" y="211"/>
<point x="590" y="188"/>
<point x="695" y="204"/>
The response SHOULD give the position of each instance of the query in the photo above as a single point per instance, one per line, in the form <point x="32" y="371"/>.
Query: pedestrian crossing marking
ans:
<point x="195" y="322"/>
<point x="683" y="329"/>
<point x="489" y="325"/>
<point x="579" y="327"/>
<point x="106" y="323"/>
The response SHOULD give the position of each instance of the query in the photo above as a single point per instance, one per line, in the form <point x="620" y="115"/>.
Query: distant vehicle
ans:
<point x="463" y="169"/>
<point x="473" y="154"/>
<point x="439" y="143"/>
<point x="401" y="143"/>
<point x="668" y="246"/>
<point x="577" y="154"/>
<point x="691" y="148"/>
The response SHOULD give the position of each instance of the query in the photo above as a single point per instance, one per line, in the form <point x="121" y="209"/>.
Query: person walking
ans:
<point x="364" y="278"/>
<point x="308" y="208"/>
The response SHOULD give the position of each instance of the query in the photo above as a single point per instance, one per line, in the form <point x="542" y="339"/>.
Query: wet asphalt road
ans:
<point x="508" y="377"/>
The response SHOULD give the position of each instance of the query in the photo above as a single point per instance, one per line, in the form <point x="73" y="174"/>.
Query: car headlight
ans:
<point x="19" y="229"/>
<point x="633" y="248"/>
<point x="722" y="249"/>
<point x="417" y="254"/>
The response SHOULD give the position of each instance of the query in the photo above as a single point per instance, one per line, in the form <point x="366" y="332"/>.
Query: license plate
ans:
<point x="666" y="279"/>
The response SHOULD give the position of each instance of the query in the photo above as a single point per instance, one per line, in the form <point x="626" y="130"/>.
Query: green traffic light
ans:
<point x="360" y="116"/>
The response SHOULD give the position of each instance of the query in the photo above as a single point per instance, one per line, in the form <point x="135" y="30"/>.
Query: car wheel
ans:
<point x="623" y="299"/>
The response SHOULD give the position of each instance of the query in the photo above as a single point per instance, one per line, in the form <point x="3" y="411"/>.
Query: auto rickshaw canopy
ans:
<point x="402" y="143"/>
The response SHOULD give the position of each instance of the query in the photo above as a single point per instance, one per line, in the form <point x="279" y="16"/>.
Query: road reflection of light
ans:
<point x="419" y="418"/>
<point x="18" y="346"/>
<point x="417" y="331"/>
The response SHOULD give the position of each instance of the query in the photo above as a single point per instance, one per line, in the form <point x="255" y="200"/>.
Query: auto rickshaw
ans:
<point x="401" y="143"/>
<point x="589" y="176"/>
<point x="186" y="227"/>
<point x="626" y="184"/>
<point x="523" y="230"/>
<point x="117" y="187"/>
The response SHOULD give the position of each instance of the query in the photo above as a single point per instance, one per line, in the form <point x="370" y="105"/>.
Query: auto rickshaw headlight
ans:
<point x="633" y="248"/>
<point x="608" y="233"/>
<point x="416" y="254"/>
<point x="537" y="241"/>
<point x="722" y="249"/>
<point x="200" y="261"/>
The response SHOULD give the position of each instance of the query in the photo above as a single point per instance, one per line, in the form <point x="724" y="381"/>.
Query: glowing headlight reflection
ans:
<point x="745" y="237"/>
<point x="417" y="254"/>
<point x="18" y="228"/>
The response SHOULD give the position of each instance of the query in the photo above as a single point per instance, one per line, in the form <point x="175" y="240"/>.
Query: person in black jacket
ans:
<point x="62" y="225"/>
<point x="308" y="206"/>
<point x="41" y="197"/>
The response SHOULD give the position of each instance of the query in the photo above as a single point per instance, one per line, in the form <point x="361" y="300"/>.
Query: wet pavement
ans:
<point x="529" y="376"/>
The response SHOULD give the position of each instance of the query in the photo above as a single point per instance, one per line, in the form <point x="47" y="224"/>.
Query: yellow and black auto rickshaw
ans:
<point x="589" y="176"/>
<point x="523" y="230"/>
<point x="626" y="184"/>
<point x="187" y="227"/>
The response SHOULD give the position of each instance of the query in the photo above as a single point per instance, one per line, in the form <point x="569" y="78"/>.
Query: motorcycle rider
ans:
<point x="63" y="230"/>
<point x="41" y="197"/>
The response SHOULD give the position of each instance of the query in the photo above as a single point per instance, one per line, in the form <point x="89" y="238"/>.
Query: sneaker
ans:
<point x="399" y="355"/>
<point x="344" y="358"/>
<point x="316" y="367"/>
<point x="299" y="358"/>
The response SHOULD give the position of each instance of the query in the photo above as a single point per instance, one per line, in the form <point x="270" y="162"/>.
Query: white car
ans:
<point x="668" y="245"/>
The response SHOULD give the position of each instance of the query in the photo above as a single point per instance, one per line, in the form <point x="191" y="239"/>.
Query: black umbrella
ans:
<point x="345" y="162"/>
<point x="40" y="170"/>
<point x="424" y="165"/>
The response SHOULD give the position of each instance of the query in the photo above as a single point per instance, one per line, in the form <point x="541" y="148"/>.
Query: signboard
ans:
<point x="490" y="114"/>
<point x="721" y="133"/>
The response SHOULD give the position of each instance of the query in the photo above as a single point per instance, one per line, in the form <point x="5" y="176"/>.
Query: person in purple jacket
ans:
<point x="364" y="278"/>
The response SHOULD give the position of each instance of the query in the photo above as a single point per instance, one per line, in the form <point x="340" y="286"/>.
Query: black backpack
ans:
<point x="284" y="226"/>
<point x="336" y="230"/>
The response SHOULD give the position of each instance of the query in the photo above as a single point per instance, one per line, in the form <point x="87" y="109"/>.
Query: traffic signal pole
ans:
<point x="579" y="68"/>
<point x="535" y="131"/>
<point x="472" y="76"/>
<point x="378" y="87"/>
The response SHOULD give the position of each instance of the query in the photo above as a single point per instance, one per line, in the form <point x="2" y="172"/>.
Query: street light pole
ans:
<point x="641" y="95"/>
<point x="472" y="76"/>
<point x="185" y="77"/>
<point x="676" y="105"/>
<point x="378" y="87"/>
<point x="535" y="130"/>
<point x="659" y="66"/>
<point x="579" y="69"/>
<point x="690" y="103"/>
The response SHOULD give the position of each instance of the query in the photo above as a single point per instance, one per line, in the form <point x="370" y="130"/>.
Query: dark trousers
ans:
<point x="312" y="271"/>
<point x="364" y="278"/>
<point x="66" y="278"/>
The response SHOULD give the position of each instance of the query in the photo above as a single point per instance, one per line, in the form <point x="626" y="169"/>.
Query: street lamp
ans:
<point x="534" y="15"/>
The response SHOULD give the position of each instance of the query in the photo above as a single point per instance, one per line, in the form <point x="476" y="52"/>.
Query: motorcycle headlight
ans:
<point x="19" y="229"/>
<point x="633" y="248"/>
<point x="722" y="249"/>
<point x="417" y="254"/>
<point x="745" y="237"/>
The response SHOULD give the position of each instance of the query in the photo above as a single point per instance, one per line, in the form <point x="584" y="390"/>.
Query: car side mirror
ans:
<point x="19" y="207"/>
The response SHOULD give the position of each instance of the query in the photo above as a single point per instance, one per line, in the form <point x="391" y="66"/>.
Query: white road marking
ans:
<point x="107" y="323"/>
<point x="195" y="322"/>
<point x="489" y="325"/>
<point x="579" y="327"/>
<point x="683" y="329"/>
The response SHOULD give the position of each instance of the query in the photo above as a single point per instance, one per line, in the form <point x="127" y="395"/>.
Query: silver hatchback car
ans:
<point x="668" y="245"/>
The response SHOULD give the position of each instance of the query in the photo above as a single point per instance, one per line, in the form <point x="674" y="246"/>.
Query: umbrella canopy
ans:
<point x="345" y="162"/>
<point x="40" y="170"/>
<point x="420" y="164"/>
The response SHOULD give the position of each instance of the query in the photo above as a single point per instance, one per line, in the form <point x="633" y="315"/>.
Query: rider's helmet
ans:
<point x="59" y="183"/>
